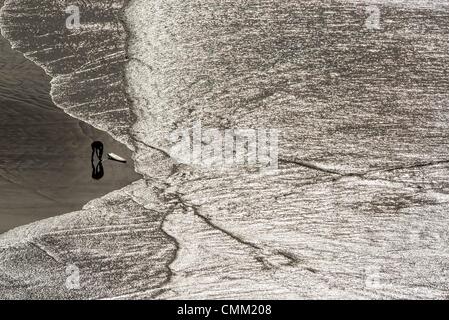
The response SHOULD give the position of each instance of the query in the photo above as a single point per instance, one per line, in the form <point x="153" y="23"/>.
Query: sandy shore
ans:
<point x="45" y="167"/>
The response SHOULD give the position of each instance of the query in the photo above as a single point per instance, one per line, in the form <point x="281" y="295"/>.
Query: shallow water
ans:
<point x="45" y="167"/>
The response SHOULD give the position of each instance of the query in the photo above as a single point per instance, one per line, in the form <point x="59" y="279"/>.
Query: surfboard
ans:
<point x="113" y="156"/>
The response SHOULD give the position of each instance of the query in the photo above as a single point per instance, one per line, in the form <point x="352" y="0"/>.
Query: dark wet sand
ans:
<point x="45" y="167"/>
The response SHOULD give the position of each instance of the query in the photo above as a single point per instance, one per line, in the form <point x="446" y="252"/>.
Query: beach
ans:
<point x="45" y="161"/>
<point x="356" y="207"/>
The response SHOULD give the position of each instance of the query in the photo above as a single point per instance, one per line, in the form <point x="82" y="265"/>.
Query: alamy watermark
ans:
<point x="372" y="22"/>
<point x="73" y="21"/>
<point x="414" y="240"/>
<point x="225" y="148"/>
<point x="73" y="277"/>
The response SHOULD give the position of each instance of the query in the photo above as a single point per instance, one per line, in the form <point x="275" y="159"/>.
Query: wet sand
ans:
<point x="45" y="167"/>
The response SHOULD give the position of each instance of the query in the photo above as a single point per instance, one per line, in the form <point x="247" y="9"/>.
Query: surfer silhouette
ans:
<point x="97" y="152"/>
<point x="97" y="155"/>
<point x="97" y="148"/>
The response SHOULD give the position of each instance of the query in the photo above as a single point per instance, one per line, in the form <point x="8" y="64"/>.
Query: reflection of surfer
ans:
<point x="97" y="170"/>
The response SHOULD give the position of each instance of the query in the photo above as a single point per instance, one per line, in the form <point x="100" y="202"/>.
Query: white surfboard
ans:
<point x="113" y="156"/>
